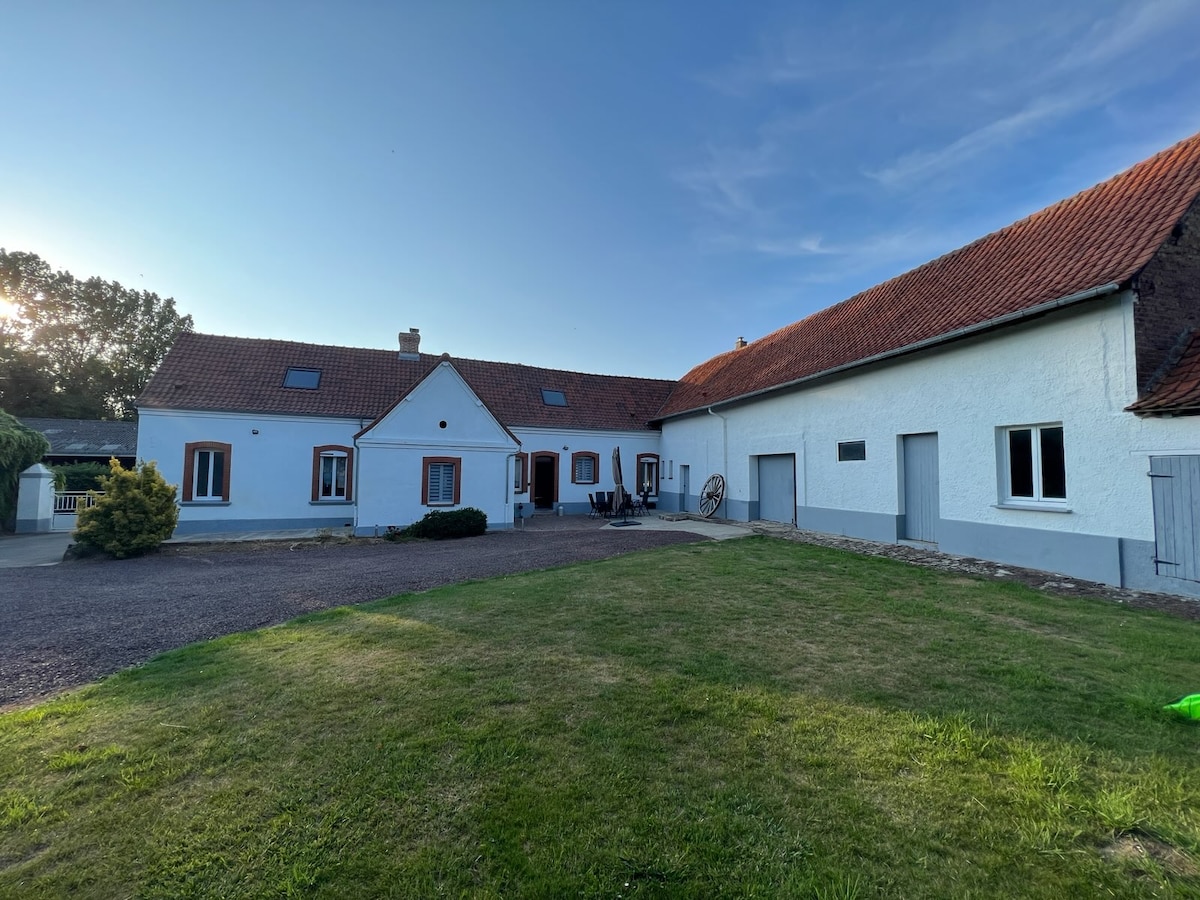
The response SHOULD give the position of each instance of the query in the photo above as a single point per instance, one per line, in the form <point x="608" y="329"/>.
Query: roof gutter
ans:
<point x="998" y="322"/>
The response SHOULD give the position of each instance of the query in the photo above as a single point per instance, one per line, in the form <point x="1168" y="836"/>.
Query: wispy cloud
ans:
<point x="724" y="181"/>
<point x="920" y="164"/>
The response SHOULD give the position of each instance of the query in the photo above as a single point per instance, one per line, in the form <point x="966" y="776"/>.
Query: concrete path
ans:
<point x="20" y="550"/>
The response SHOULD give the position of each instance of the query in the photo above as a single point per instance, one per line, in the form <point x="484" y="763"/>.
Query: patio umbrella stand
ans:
<point x="619" y="493"/>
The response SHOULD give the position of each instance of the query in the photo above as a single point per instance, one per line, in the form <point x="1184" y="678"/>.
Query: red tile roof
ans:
<point x="209" y="372"/>
<point x="1178" y="390"/>
<point x="1103" y="235"/>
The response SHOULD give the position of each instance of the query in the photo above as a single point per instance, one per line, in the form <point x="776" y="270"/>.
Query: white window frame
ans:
<point x="208" y="492"/>
<point x="1038" y="500"/>
<point x="586" y="469"/>
<point x="330" y="458"/>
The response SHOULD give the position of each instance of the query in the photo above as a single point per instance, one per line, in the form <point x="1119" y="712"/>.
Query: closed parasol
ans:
<point x="619" y="504"/>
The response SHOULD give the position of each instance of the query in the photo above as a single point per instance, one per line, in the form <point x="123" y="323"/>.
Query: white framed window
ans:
<point x="1035" y="465"/>
<point x="206" y="467"/>
<point x="333" y="473"/>
<point x="647" y="474"/>
<point x="441" y="485"/>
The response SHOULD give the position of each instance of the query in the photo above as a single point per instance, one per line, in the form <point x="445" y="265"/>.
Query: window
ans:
<point x="852" y="451"/>
<point x="333" y="473"/>
<point x="206" y="472"/>
<point x="303" y="379"/>
<point x="647" y="473"/>
<point x="553" y="398"/>
<point x="1036" y="468"/>
<point x="585" y="467"/>
<point x="521" y="473"/>
<point x="441" y="485"/>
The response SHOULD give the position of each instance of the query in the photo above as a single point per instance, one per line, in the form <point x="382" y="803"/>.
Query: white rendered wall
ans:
<point x="440" y="417"/>
<point x="1075" y="367"/>
<point x="271" y="463"/>
<point x="565" y="442"/>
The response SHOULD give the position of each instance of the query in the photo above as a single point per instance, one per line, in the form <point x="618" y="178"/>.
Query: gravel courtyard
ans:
<point x="67" y="625"/>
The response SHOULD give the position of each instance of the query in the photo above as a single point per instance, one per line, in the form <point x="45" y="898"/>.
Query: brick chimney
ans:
<point x="739" y="343"/>
<point x="410" y="344"/>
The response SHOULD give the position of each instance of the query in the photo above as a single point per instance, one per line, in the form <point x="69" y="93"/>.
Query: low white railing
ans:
<point x="68" y="503"/>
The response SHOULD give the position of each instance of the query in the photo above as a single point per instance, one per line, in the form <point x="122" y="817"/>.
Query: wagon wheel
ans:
<point x="711" y="495"/>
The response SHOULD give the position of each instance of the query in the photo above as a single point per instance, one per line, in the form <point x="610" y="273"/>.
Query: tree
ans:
<point x="136" y="512"/>
<point x="78" y="349"/>
<point x="20" y="448"/>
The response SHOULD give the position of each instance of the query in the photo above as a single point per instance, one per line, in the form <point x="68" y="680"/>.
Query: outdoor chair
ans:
<point x="594" y="512"/>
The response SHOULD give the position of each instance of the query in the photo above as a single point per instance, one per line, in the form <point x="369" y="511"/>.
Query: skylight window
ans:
<point x="553" y="398"/>
<point x="305" y="379"/>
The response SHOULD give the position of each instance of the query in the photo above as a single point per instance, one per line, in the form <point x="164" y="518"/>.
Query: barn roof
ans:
<point x="1093" y="241"/>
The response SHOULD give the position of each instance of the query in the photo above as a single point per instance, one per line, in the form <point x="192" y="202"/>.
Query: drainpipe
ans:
<point x="724" y="450"/>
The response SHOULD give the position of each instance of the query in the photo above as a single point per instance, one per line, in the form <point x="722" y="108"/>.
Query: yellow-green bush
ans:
<point x="136" y="513"/>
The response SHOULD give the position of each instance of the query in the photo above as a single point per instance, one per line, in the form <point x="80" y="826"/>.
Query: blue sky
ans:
<point x="623" y="187"/>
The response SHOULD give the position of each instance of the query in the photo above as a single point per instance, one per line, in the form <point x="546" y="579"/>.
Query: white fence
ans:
<point x="67" y="505"/>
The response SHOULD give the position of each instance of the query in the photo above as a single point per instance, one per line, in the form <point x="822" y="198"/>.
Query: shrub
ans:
<point x="20" y="448"/>
<point x="79" y="476"/>
<point x="136" y="513"/>
<point x="440" y="524"/>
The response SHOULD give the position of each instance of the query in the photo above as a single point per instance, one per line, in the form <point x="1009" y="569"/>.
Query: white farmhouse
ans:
<point x="1030" y="398"/>
<point x="264" y="435"/>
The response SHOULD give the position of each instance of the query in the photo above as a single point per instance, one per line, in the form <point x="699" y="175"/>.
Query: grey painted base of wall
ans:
<point x="33" y="526"/>
<point x="1122" y="562"/>
<point x="870" y="526"/>
<point x="227" y="526"/>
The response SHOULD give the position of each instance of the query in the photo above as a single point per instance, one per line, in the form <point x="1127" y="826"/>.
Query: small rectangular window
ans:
<point x="441" y="485"/>
<point x="304" y="379"/>
<point x="1036" y="466"/>
<point x="852" y="451"/>
<point x="585" y="470"/>
<point x="553" y="398"/>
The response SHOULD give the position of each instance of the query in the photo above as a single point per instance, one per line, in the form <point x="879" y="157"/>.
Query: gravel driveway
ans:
<point x="71" y="624"/>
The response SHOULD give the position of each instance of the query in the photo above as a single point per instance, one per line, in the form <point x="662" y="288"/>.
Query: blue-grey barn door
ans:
<point x="685" y="480"/>
<point x="777" y="488"/>
<point x="1175" y="484"/>
<point x="921" y="506"/>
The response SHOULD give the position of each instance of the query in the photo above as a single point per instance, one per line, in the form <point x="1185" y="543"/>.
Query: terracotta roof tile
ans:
<point x="1103" y="235"/>
<point x="210" y="372"/>
<point x="1178" y="390"/>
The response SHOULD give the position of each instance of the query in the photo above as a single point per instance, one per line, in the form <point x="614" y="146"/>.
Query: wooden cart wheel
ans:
<point x="711" y="495"/>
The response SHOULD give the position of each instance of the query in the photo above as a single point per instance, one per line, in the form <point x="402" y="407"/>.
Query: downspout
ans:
<point x="357" y="472"/>
<point x="510" y="471"/>
<point x="724" y="451"/>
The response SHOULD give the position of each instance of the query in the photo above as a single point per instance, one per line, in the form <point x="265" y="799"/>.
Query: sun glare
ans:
<point x="8" y="310"/>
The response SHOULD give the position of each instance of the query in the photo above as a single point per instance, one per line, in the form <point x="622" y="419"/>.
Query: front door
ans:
<point x="543" y="483"/>
<point x="777" y="488"/>
<point x="921" y="504"/>
<point x="684" y="473"/>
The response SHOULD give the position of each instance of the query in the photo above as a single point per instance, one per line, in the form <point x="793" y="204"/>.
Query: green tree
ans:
<point x="136" y="513"/>
<point x="78" y="349"/>
<point x="20" y="448"/>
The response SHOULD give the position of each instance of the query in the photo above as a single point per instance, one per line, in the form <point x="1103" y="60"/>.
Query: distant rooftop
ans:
<point x="86" y="437"/>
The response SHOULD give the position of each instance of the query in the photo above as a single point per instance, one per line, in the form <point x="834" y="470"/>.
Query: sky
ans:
<point x="622" y="188"/>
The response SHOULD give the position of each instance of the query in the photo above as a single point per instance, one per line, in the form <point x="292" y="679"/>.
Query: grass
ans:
<point x="746" y="719"/>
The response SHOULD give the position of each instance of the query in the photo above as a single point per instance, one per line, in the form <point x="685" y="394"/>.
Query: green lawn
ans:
<point x="747" y="719"/>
